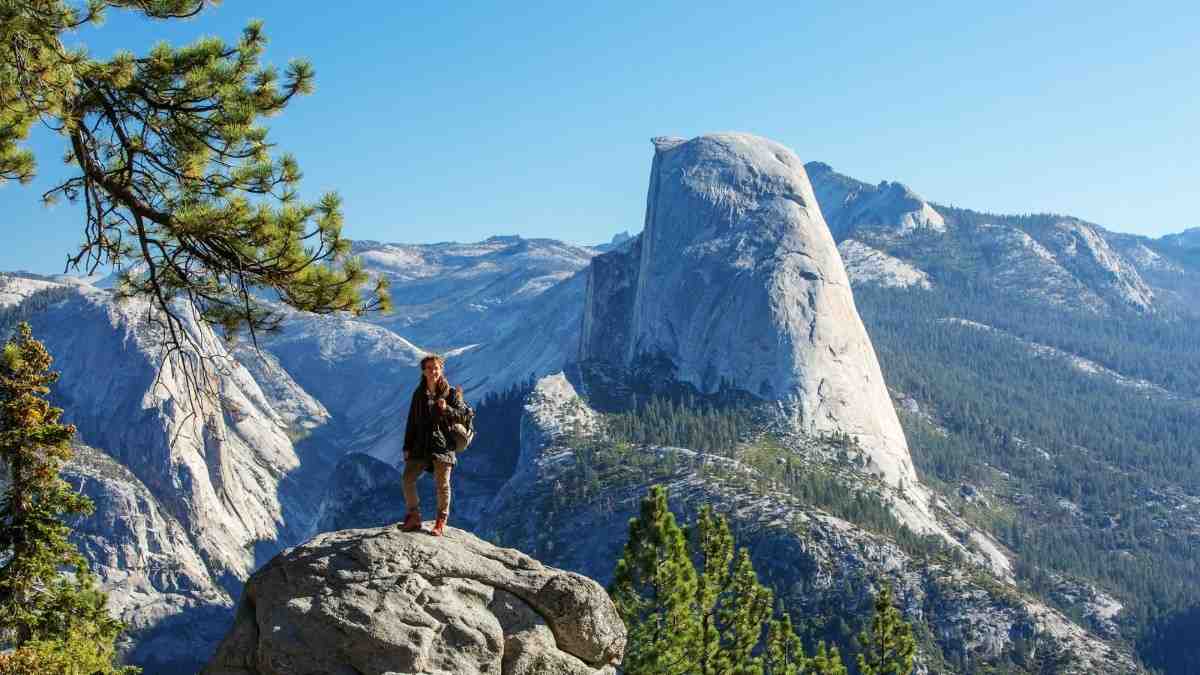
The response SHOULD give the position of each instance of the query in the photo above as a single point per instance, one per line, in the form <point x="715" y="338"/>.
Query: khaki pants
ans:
<point x="413" y="469"/>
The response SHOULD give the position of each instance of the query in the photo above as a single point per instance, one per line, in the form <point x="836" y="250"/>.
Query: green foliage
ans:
<point x="174" y="171"/>
<point x="715" y="622"/>
<point x="712" y="546"/>
<point x="498" y="429"/>
<point x="820" y="486"/>
<point x="1040" y="431"/>
<point x="784" y="651"/>
<point x="1170" y="642"/>
<point x="45" y="615"/>
<point x="653" y="588"/>
<point x="681" y="423"/>
<point x="826" y="662"/>
<point x="743" y="617"/>
<point x="889" y="646"/>
<point x="733" y="607"/>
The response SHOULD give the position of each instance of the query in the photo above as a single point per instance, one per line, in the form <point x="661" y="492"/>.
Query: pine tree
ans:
<point x="711" y="623"/>
<point x="890" y="645"/>
<point x="743" y="615"/>
<point x="56" y="622"/>
<point x="826" y="662"/>
<point x="174" y="171"/>
<point x="785" y="652"/>
<point x="712" y="544"/>
<point x="653" y="589"/>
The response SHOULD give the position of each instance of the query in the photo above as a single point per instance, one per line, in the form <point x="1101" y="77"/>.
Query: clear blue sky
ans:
<point x="457" y="121"/>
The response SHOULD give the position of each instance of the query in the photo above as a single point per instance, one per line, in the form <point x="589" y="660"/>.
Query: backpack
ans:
<point x="462" y="434"/>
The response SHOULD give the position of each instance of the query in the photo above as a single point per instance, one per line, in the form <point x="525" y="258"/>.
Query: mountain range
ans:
<point x="1000" y="415"/>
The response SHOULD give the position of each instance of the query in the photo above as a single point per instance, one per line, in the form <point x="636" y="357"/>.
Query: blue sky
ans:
<point x="457" y="121"/>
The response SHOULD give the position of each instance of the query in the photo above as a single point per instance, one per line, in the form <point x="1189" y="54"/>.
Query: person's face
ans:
<point x="432" y="371"/>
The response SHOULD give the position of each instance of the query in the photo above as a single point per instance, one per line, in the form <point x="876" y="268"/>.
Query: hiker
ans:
<point x="428" y="445"/>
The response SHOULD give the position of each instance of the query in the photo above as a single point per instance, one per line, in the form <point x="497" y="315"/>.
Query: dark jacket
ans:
<point x="427" y="434"/>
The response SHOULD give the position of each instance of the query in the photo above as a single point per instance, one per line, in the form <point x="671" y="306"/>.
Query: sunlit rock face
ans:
<point x="737" y="282"/>
<point x="187" y="460"/>
<point x="193" y="425"/>
<point x="889" y="210"/>
<point x="386" y="601"/>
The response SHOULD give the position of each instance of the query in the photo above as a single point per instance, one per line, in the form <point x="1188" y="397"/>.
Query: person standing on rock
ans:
<point x="428" y="445"/>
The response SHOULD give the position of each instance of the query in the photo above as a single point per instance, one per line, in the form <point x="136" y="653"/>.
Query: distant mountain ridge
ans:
<point x="1045" y="257"/>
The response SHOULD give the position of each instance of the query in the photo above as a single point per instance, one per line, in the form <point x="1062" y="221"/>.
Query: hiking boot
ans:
<point x="412" y="522"/>
<point x="439" y="527"/>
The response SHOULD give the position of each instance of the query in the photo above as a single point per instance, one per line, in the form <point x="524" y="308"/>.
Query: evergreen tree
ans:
<point x="174" y="171"/>
<point x="785" y="652"/>
<point x="890" y="645"/>
<point x="55" y="622"/>
<point x="653" y="588"/>
<point x="712" y="545"/>
<point x="826" y="662"/>
<point x="743" y="615"/>
<point x="711" y="623"/>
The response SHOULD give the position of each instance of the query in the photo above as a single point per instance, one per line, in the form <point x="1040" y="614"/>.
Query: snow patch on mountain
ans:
<point x="405" y="262"/>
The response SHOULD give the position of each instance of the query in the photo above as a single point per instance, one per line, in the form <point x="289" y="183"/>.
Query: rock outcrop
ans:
<point x="888" y="209"/>
<point x="867" y="265"/>
<point x="738" y="284"/>
<point x="386" y="601"/>
<point x="1083" y="250"/>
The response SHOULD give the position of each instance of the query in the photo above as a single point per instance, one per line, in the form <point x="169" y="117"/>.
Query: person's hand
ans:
<point x="441" y="405"/>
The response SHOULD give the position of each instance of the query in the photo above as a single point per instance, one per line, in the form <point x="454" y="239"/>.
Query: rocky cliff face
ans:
<point x="189" y="486"/>
<point x="215" y="458"/>
<point x="738" y="284"/>
<point x="1169" y="265"/>
<point x="888" y="209"/>
<point x="1188" y="240"/>
<point x="1085" y="252"/>
<point x="174" y="606"/>
<point x="384" y="601"/>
